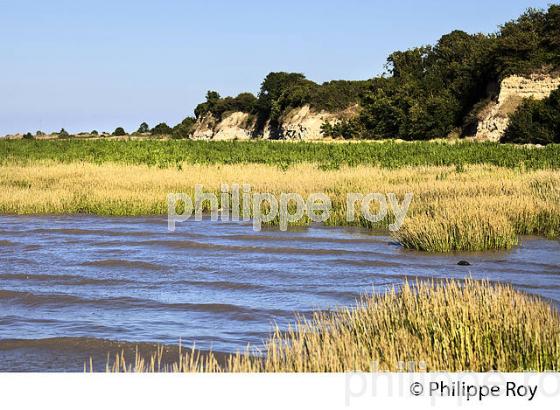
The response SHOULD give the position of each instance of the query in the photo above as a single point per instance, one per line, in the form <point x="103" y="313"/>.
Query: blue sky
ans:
<point x="86" y="65"/>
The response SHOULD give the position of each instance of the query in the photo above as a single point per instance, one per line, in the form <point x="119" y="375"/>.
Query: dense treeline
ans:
<point x="435" y="89"/>
<point x="426" y="92"/>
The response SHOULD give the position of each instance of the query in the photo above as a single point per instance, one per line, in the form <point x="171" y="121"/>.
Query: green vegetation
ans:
<point x="388" y="154"/>
<point x="536" y="122"/>
<point x="449" y="326"/>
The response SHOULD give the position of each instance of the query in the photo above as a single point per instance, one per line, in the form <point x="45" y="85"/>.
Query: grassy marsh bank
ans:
<point x="175" y="153"/>
<point x="476" y="207"/>
<point x="473" y="326"/>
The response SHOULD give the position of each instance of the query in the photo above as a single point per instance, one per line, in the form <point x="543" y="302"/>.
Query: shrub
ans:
<point x="28" y="136"/>
<point x="346" y="129"/>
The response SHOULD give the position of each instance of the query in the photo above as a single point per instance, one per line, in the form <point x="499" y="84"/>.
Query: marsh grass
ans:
<point x="458" y="230"/>
<point x="450" y="326"/>
<point x="481" y="207"/>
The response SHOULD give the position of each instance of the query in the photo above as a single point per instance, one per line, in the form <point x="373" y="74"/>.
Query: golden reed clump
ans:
<point x="474" y="207"/>
<point x="450" y="326"/>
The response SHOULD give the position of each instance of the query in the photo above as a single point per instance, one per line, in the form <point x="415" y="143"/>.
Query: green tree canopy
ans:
<point x="119" y="132"/>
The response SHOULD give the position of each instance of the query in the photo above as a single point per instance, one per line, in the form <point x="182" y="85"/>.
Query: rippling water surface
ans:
<point x="71" y="287"/>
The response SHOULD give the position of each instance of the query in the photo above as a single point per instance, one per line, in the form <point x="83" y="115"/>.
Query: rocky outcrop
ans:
<point x="493" y="119"/>
<point x="204" y="127"/>
<point x="302" y="123"/>
<point x="305" y="124"/>
<point x="234" y="126"/>
<point x="237" y="125"/>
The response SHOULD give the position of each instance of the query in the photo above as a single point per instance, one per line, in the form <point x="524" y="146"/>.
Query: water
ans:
<point x="76" y="286"/>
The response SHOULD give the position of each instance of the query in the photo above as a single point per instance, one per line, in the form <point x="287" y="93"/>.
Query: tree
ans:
<point x="28" y="136"/>
<point x="212" y="98"/>
<point x="244" y="102"/>
<point x="552" y="30"/>
<point x="519" y="44"/>
<point x="63" y="134"/>
<point x="273" y="86"/>
<point x="119" y="132"/>
<point x="94" y="132"/>
<point x="162" y="129"/>
<point x="143" y="128"/>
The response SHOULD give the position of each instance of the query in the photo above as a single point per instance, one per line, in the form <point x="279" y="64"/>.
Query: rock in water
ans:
<point x="464" y="263"/>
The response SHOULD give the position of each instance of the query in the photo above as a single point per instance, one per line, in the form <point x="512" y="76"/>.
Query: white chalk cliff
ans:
<point x="302" y="123"/>
<point x="494" y="118"/>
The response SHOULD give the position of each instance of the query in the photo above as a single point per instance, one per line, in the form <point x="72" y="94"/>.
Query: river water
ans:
<point x="76" y="286"/>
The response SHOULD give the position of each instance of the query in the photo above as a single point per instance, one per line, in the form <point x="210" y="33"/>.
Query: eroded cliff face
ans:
<point x="301" y="123"/>
<point x="494" y="118"/>
<point x="305" y="124"/>
<point x="234" y="126"/>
